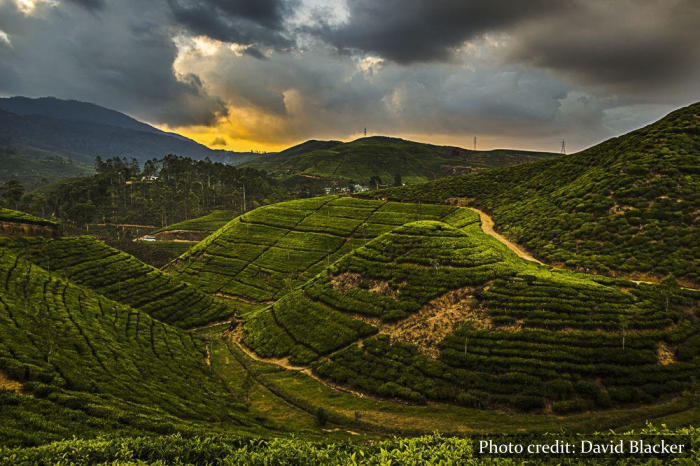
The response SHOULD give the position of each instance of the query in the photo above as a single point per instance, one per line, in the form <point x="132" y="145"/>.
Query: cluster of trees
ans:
<point x="161" y="192"/>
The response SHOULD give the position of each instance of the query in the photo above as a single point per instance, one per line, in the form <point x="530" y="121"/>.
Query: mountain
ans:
<point x="385" y="157"/>
<point x="627" y="206"/>
<point x="67" y="135"/>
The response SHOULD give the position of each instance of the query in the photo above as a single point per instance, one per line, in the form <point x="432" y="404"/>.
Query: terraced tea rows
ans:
<point x="121" y="277"/>
<point x="627" y="206"/>
<point x="106" y="363"/>
<point x="264" y="253"/>
<point x="516" y="334"/>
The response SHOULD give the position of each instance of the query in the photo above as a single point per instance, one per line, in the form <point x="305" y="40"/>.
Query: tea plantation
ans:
<point x="119" y="276"/>
<point x="209" y="222"/>
<point x="9" y="215"/>
<point x="516" y="334"/>
<point x="73" y="362"/>
<point x="262" y="254"/>
<point x="625" y="207"/>
<point x="427" y="449"/>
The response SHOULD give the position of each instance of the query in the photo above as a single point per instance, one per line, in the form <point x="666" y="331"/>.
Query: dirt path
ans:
<point x="487" y="227"/>
<point x="237" y="335"/>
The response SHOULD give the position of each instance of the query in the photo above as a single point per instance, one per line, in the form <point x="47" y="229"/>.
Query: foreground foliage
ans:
<point x="429" y="449"/>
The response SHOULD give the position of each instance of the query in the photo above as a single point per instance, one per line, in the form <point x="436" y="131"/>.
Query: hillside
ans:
<point x="199" y="226"/>
<point x="625" y="207"/>
<point x="258" y="256"/>
<point x="428" y="311"/>
<point x="68" y="135"/>
<point x="116" y="275"/>
<point x="73" y="362"/>
<point x="385" y="298"/>
<point x="385" y="158"/>
<point x="16" y="223"/>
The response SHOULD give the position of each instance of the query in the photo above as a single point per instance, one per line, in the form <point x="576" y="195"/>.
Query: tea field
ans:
<point x="121" y="277"/>
<point x="428" y="311"/>
<point x="73" y="362"/>
<point x="262" y="254"/>
<point x="626" y="207"/>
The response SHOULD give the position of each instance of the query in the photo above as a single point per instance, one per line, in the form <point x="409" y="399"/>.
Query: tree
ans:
<point x="12" y="192"/>
<point x="376" y="181"/>
<point x="397" y="180"/>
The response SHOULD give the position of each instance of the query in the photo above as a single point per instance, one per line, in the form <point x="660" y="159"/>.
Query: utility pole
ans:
<point x="563" y="147"/>
<point x="474" y="142"/>
<point x="365" y="132"/>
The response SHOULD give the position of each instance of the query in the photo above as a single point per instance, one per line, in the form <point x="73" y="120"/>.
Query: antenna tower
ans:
<point x="563" y="147"/>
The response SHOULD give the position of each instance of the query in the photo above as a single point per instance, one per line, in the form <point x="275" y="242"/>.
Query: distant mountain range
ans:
<point x="46" y="139"/>
<point x="53" y="138"/>
<point x="385" y="158"/>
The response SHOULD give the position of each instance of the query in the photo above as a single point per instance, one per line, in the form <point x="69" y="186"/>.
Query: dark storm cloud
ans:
<point x="630" y="46"/>
<point x="116" y="59"/>
<point x="240" y="21"/>
<point x="409" y="31"/>
<point x="91" y="5"/>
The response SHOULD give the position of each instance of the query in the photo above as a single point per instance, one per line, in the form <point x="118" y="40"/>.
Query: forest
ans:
<point x="161" y="192"/>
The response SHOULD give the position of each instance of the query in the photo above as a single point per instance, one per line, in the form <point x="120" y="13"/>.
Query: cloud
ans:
<point x="117" y="59"/>
<point x="634" y="47"/>
<point x="91" y="5"/>
<point x="278" y="71"/>
<point x="240" y="21"/>
<point x="409" y="31"/>
<point x="219" y="141"/>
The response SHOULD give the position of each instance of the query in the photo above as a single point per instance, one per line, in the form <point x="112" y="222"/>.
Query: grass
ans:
<point x="121" y="277"/>
<point x="626" y="207"/>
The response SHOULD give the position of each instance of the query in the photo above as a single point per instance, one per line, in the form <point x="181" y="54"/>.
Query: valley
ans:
<point x="393" y="312"/>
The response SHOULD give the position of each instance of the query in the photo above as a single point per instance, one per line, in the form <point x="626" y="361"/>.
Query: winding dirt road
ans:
<point x="487" y="227"/>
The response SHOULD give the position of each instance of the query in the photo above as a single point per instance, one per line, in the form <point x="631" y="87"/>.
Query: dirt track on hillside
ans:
<point x="487" y="227"/>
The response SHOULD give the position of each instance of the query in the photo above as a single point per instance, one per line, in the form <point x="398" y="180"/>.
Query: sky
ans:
<point x="266" y="74"/>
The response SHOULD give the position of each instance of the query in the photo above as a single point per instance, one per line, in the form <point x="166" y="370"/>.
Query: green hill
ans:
<point x="258" y="256"/>
<point x="385" y="157"/>
<point x="119" y="276"/>
<point x="383" y="297"/>
<point x="73" y="362"/>
<point x="428" y="311"/>
<point x="627" y="206"/>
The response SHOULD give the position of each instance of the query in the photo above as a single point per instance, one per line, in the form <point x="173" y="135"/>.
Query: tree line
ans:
<point x="163" y="191"/>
